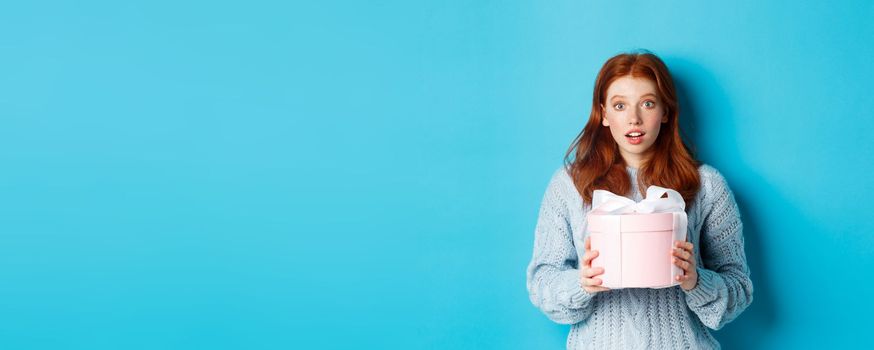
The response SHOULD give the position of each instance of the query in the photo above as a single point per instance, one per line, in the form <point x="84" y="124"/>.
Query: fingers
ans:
<point x="593" y="285"/>
<point x="592" y="272"/>
<point x="683" y="249"/>
<point x="682" y="257"/>
<point x="589" y="282"/>
<point x="588" y="256"/>
<point x="587" y="273"/>
<point x="596" y="289"/>
<point x="684" y="245"/>
<point x="681" y="253"/>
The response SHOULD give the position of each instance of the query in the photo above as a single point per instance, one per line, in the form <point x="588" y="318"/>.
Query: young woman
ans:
<point x="632" y="141"/>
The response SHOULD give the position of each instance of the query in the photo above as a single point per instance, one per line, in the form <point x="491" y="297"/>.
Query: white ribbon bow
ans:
<point x="607" y="202"/>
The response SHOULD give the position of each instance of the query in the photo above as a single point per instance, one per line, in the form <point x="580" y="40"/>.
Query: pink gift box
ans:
<point x="635" y="248"/>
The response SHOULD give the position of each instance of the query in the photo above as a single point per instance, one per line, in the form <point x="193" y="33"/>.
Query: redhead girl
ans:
<point x="632" y="141"/>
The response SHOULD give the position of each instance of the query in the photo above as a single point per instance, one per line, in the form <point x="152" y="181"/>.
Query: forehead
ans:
<point x="629" y="86"/>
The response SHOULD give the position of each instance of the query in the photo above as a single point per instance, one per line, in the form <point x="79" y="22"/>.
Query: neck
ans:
<point x="634" y="160"/>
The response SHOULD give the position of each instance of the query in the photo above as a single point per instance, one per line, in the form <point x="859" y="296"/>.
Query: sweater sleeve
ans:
<point x="553" y="279"/>
<point x="724" y="287"/>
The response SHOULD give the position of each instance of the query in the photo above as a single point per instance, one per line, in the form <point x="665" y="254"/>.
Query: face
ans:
<point x="634" y="113"/>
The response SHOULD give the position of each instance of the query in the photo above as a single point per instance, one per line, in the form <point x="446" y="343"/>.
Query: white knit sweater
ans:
<point x="641" y="318"/>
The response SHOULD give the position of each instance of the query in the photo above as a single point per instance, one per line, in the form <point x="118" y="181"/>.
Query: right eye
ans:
<point x="619" y="106"/>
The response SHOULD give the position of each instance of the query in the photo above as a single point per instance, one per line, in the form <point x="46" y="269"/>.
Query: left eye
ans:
<point x="649" y="104"/>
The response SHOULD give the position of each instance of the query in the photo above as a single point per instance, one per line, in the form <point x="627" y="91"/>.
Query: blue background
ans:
<point x="336" y="175"/>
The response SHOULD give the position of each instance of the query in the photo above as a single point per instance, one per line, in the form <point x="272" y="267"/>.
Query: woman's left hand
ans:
<point x="685" y="259"/>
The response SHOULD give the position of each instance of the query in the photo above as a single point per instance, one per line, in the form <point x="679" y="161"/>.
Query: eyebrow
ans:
<point x="644" y="95"/>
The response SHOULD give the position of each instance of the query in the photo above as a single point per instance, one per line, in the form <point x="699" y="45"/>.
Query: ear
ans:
<point x="665" y="118"/>
<point x="604" y="121"/>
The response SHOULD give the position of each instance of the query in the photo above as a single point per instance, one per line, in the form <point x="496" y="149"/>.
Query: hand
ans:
<point x="587" y="272"/>
<point x="685" y="259"/>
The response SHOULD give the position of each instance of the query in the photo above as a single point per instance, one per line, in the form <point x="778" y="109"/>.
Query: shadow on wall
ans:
<point x="709" y="124"/>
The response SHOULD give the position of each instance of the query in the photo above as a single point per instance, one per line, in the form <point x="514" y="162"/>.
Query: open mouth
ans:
<point x="635" y="137"/>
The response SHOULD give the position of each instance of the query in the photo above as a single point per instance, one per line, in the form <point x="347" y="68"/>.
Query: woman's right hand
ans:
<point x="588" y="273"/>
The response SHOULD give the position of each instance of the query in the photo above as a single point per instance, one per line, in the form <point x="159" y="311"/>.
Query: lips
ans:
<point x="635" y="136"/>
<point x="635" y="133"/>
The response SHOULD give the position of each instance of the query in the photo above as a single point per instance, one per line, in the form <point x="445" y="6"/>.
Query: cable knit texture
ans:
<point x="641" y="318"/>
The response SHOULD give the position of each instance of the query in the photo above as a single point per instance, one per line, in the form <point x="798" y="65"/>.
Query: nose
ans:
<point x="634" y="117"/>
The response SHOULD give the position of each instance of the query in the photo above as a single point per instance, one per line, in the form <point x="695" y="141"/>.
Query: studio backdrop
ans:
<point x="336" y="175"/>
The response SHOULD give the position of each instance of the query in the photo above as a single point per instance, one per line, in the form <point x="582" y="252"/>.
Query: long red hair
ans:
<point x="598" y="164"/>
